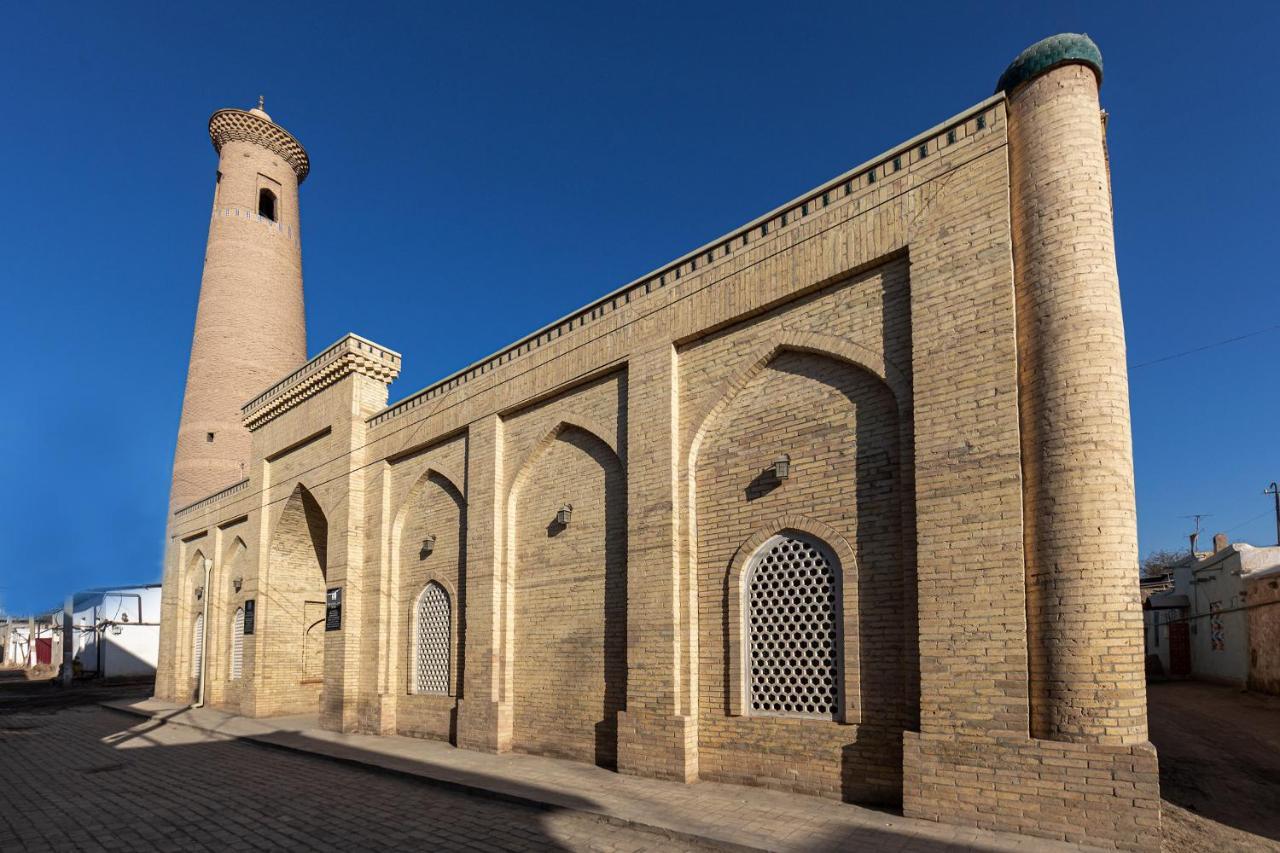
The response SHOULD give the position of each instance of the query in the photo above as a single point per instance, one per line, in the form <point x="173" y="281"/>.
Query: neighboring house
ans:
<point x="1164" y="619"/>
<point x="1262" y="597"/>
<point x="17" y="644"/>
<point x="30" y="643"/>
<point x="115" y="634"/>
<point x="1201" y="625"/>
<point x="117" y="631"/>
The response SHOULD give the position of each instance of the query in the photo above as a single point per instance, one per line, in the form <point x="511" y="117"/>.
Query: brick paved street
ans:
<point x="78" y="779"/>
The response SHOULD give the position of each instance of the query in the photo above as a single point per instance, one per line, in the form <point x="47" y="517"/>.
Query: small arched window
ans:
<point x="237" y="644"/>
<point x="267" y="204"/>
<point x="197" y="646"/>
<point x="793" y="635"/>
<point x="431" y="640"/>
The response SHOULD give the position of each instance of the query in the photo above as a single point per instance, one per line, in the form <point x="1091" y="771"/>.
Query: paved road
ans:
<point x="139" y="787"/>
<point x="1219" y="766"/>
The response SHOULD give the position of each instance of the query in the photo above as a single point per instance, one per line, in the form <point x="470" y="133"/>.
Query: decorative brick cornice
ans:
<point x="211" y="499"/>
<point x="352" y="354"/>
<point x="232" y="125"/>
<point x="866" y="179"/>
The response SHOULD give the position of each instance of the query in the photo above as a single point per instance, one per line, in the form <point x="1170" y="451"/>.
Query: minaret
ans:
<point x="1084" y="619"/>
<point x="250" y="329"/>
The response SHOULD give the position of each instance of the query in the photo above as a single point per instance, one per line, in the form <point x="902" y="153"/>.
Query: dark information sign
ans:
<point x="249" y="609"/>
<point x="333" y="609"/>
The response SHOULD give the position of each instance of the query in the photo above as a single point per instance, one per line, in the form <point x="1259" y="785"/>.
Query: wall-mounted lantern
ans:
<point x="564" y="515"/>
<point x="428" y="545"/>
<point x="237" y="583"/>
<point x="782" y="467"/>
<point x="199" y="593"/>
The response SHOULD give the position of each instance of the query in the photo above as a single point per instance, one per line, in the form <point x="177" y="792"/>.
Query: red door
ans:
<point x="44" y="650"/>
<point x="1179" y="649"/>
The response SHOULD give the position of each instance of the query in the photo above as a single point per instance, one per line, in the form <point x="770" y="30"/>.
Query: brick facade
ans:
<point x="933" y="341"/>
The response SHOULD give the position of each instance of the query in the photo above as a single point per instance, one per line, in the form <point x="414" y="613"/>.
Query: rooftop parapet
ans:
<point x="350" y="355"/>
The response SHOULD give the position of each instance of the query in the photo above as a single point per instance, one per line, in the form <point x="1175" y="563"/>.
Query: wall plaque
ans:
<point x="333" y="609"/>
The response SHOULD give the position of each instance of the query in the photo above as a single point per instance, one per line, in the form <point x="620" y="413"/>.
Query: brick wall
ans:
<point x="874" y="330"/>
<point x="1262" y="598"/>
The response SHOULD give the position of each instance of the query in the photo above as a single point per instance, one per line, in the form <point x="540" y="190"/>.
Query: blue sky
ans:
<point x="480" y="169"/>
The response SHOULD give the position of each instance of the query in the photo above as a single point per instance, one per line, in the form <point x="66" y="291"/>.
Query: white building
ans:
<point x="1200" y="627"/>
<point x="117" y="631"/>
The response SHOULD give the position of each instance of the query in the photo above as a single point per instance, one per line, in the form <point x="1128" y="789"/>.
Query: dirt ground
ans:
<point x="1219" y="766"/>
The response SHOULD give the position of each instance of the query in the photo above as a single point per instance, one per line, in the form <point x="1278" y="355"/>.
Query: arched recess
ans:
<point x="292" y="605"/>
<point x="850" y="662"/>
<point x="428" y="545"/>
<point x="189" y="608"/>
<point x="221" y="608"/>
<point x="841" y="424"/>
<point x="568" y="597"/>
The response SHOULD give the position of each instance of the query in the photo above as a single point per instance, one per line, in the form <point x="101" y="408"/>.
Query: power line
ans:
<point x="1172" y="356"/>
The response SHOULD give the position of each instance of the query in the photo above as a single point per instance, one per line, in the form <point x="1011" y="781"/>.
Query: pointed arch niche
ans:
<point x="293" y="605"/>
<point x="190" y="608"/>
<point x="825" y="404"/>
<point x="568" y="597"/>
<point x="428" y="547"/>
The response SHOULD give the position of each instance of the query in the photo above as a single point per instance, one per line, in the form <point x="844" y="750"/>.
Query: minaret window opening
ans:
<point x="267" y="204"/>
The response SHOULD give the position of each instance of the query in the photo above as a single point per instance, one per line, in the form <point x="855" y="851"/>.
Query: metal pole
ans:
<point x="68" y="607"/>
<point x="1274" y="489"/>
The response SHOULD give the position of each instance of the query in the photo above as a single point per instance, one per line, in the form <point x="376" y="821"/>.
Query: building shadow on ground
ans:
<point x="1219" y="750"/>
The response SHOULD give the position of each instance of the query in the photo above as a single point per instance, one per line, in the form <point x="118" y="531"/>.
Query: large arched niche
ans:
<point x="234" y="564"/>
<point x="568" y="597"/>
<point x="837" y="419"/>
<point x="292" y="605"/>
<point x="189" y="608"/>
<point x="428" y="544"/>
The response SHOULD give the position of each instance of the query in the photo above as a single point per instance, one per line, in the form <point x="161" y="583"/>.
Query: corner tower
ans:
<point x="1084" y="620"/>
<point x="250" y="328"/>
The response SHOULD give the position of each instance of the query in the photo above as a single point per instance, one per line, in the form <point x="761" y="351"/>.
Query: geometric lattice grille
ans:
<point x="432" y="665"/>
<point x="792" y="633"/>
<point x="237" y="644"/>
<point x="197" y="646"/>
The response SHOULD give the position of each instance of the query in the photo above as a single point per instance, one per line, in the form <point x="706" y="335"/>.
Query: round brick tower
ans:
<point x="250" y="330"/>
<point x="1084" y="620"/>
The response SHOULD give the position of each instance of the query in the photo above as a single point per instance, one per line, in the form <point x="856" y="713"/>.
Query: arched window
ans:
<point x="431" y="646"/>
<point x="197" y="646"/>
<point x="267" y="204"/>
<point x="237" y="644"/>
<point x="793" y="635"/>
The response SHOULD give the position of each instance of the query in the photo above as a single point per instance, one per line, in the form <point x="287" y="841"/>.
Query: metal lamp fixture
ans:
<point x="564" y="515"/>
<point x="199" y="593"/>
<point x="428" y="544"/>
<point x="782" y="467"/>
<point x="237" y="583"/>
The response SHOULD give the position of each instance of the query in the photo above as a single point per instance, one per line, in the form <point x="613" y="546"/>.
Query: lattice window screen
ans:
<point x="431" y="674"/>
<point x="237" y="644"/>
<point x="197" y="646"/>
<point x="792" y="634"/>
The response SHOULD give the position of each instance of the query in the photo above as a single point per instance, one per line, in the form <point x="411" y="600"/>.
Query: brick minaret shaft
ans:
<point x="1084" y="621"/>
<point x="250" y="329"/>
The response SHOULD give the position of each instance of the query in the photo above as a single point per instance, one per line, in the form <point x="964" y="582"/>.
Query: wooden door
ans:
<point x="1179" y="649"/>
